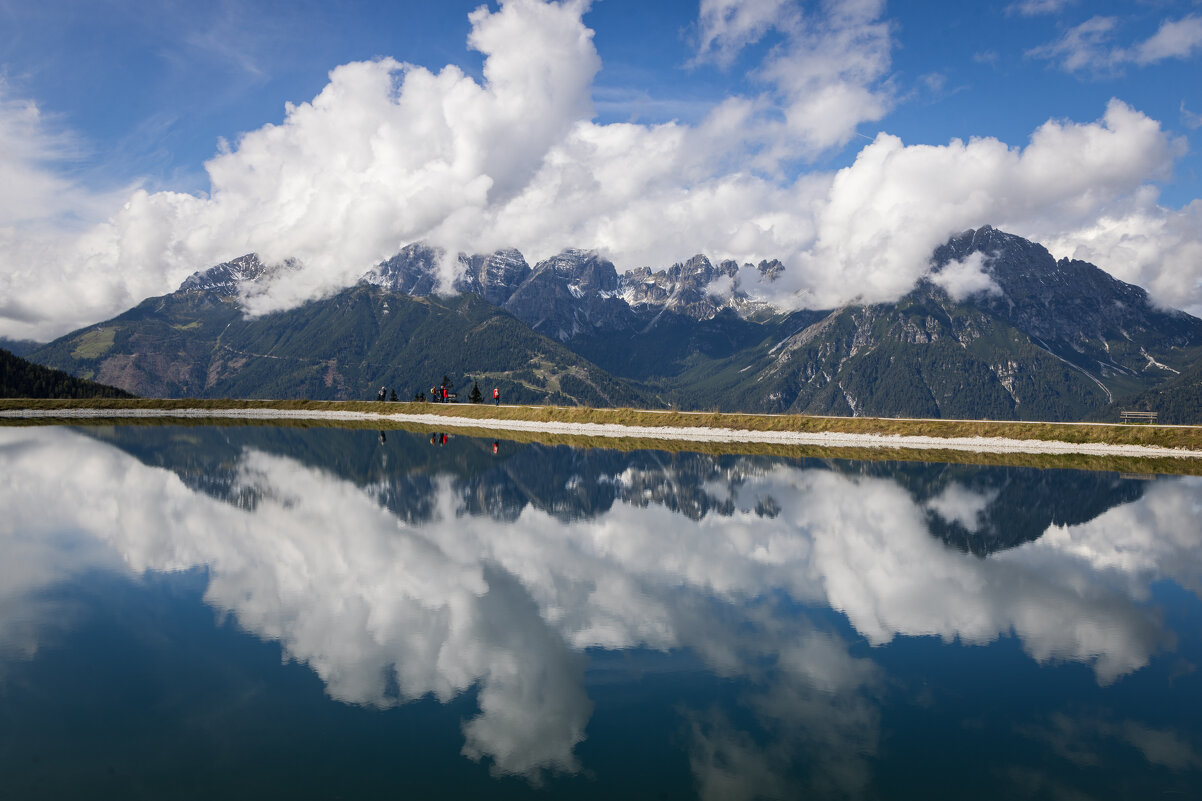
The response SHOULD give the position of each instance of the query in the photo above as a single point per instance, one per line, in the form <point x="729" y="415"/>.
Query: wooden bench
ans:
<point x="1131" y="416"/>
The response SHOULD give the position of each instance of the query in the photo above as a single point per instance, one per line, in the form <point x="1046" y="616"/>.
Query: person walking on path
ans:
<point x="496" y="396"/>
<point x="381" y="394"/>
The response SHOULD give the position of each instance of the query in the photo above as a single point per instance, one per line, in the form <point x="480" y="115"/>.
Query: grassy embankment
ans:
<point x="1186" y="437"/>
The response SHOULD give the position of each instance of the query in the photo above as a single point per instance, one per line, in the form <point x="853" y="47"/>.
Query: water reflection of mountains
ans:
<point x="980" y="510"/>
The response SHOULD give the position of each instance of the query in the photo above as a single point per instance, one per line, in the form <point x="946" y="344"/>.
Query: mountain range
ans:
<point x="1036" y="338"/>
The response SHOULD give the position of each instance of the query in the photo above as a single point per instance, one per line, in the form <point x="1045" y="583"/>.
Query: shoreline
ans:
<point x="825" y="439"/>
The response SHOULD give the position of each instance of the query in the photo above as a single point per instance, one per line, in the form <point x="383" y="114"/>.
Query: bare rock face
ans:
<point x="494" y="277"/>
<point x="683" y="287"/>
<point x="570" y="293"/>
<point x="697" y="288"/>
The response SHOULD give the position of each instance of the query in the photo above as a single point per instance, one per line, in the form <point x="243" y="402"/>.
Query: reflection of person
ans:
<point x="383" y="438"/>
<point x="495" y="445"/>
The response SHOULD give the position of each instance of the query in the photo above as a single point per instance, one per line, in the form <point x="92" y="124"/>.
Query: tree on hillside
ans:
<point x="475" y="397"/>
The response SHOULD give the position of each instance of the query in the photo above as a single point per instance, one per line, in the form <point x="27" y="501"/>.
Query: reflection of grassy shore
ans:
<point x="1188" y="437"/>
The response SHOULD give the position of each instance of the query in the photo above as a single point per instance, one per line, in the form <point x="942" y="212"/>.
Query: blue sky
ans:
<point x="150" y="87"/>
<point x="113" y="102"/>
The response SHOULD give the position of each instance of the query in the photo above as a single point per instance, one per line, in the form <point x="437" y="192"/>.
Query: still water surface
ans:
<point x="260" y="612"/>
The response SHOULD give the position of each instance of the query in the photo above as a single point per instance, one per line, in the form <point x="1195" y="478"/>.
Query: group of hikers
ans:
<point x="442" y="393"/>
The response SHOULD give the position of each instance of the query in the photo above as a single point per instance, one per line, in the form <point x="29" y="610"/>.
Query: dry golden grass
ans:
<point x="1189" y="437"/>
<point x="1113" y="433"/>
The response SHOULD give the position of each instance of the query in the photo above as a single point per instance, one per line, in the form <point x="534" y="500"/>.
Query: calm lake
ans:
<point x="254" y="612"/>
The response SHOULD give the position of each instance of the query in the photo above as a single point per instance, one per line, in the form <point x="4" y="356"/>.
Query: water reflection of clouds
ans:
<point x="44" y="538"/>
<point x="1083" y="741"/>
<point x="821" y="713"/>
<point x="385" y="612"/>
<point x="875" y="561"/>
<point x="1157" y="538"/>
<point x="378" y="610"/>
<point x="960" y="504"/>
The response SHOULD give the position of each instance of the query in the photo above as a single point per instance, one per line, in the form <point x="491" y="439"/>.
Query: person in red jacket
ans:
<point x="496" y="396"/>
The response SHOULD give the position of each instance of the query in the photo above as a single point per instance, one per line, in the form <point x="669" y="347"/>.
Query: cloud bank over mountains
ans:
<point x="390" y="153"/>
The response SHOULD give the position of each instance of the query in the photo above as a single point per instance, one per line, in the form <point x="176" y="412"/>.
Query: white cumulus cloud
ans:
<point x="390" y="153"/>
<point x="1174" y="39"/>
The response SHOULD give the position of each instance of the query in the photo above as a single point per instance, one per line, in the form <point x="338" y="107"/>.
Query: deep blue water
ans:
<point x="259" y="612"/>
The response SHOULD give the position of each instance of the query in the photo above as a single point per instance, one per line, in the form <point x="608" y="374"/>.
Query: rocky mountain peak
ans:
<point x="412" y="271"/>
<point x="228" y="277"/>
<point x="493" y="277"/>
<point x="698" y="267"/>
<point x="1029" y="276"/>
<point x="770" y="270"/>
<point x="569" y="293"/>
<point x="1071" y="308"/>
<point x="684" y="287"/>
<point x="583" y="270"/>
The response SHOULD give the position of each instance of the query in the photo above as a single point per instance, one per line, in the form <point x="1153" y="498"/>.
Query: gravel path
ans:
<point x="681" y="433"/>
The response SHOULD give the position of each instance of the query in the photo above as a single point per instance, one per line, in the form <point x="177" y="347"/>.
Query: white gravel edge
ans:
<point x="680" y="433"/>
